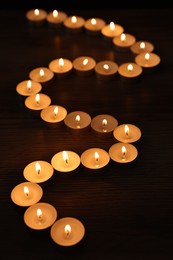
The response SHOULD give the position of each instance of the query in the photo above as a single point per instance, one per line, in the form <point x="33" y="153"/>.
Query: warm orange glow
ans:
<point x="106" y="66"/>
<point x="123" y="37"/>
<point x="55" y="13"/>
<point x="26" y="191"/>
<point x="126" y="130"/>
<point x="112" y="26"/>
<point x="41" y="73"/>
<point x="85" y="62"/>
<point x="93" y="21"/>
<point x="55" y="111"/>
<point x="142" y="45"/>
<point x="37" y="98"/>
<point x="29" y="84"/>
<point x="123" y="150"/>
<point x="67" y="230"/>
<point x="147" y="56"/>
<point x="65" y="156"/>
<point x="74" y="19"/>
<point x="130" y="67"/>
<point x="38" y="168"/>
<point x="36" y="12"/>
<point x="39" y="214"/>
<point x="61" y="62"/>
<point x="96" y="156"/>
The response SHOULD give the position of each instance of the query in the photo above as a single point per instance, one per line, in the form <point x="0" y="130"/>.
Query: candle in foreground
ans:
<point x="78" y="121"/>
<point x="67" y="231"/>
<point x="61" y="67"/>
<point x="36" y="16"/>
<point x="84" y="66"/>
<point x="123" y="152"/>
<point x="40" y="216"/>
<point x="106" y="69"/>
<point x="37" y="102"/>
<point x="130" y="71"/>
<point x="56" y="18"/>
<point x="104" y="124"/>
<point x="147" y="60"/>
<point x="95" y="158"/>
<point x="94" y="25"/>
<point x="53" y="115"/>
<point x="28" y="88"/>
<point x="38" y="171"/>
<point x="127" y="133"/>
<point x="124" y="41"/>
<point x="74" y="23"/>
<point x="112" y="30"/>
<point x="142" y="46"/>
<point x="41" y="74"/>
<point x="65" y="161"/>
<point x="26" y="194"/>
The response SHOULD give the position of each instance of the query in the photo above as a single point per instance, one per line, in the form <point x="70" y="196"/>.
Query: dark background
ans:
<point x="127" y="210"/>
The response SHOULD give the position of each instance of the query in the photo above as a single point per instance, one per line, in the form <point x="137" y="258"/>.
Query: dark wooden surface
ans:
<point x="127" y="210"/>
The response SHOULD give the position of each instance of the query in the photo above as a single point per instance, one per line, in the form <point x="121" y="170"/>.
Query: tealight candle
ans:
<point x="42" y="74"/>
<point x="38" y="171"/>
<point x="111" y="30"/>
<point x="53" y="115"/>
<point x="26" y="194"/>
<point x="127" y="133"/>
<point x="142" y="46"/>
<point x="74" y="23"/>
<point x="93" y="26"/>
<point x="104" y="124"/>
<point x="36" y="16"/>
<point x="123" y="152"/>
<point x="123" y="42"/>
<point x="95" y="158"/>
<point x="61" y="67"/>
<point x="67" y="231"/>
<point x="130" y="71"/>
<point x="40" y="216"/>
<point x="84" y="66"/>
<point x="106" y="69"/>
<point x="56" y="18"/>
<point x="147" y="60"/>
<point x="78" y="121"/>
<point x="37" y="102"/>
<point x="28" y="88"/>
<point x="65" y="161"/>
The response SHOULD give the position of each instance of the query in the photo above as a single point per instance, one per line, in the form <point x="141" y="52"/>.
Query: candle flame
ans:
<point x="123" y="150"/>
<point x="55" y="111"/>
<point x="65" y="156"/>
<point x="123" y="37"/>
<point x="77" y="119"/>
<point x="104" y="124"/>
<point x="67" y="230"/>
<point x="130" y="67"/>
<point x="55" y="13"/>
<point x="96" y="156"/>
<point x="147" y="56"/>
<point x="142" y="45"/>
<point x="85" y="62"/>
<point x="26" y="191"/>
<point x="106" y="66"/>
<point x="93" y="21"/>
<point x="126" y="130"/>
<point x="41" y="73"/>
<point x="29" y="84"/>
<point x="36" y="12"/>
<point x="37" y="98"/>
<point x="74" y="19"/>
<point x="39" y="214"/>
<point x="112" y="26"/>
<point x="38" y="168"/>
<point x="61" y="62"/>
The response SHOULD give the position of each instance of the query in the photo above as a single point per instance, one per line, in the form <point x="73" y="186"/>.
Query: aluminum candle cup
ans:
<point x="36" y="17"/>
<point x="127" y="133"/>
<point x="123" y="152"/>
<point x="106" y="70"/>
<point x="78" y="121"/>
<point x="93" y="25"/>
<point x="104" y="124"/>
<point x="53" y="116"/>
<point x="84" y="66"/>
